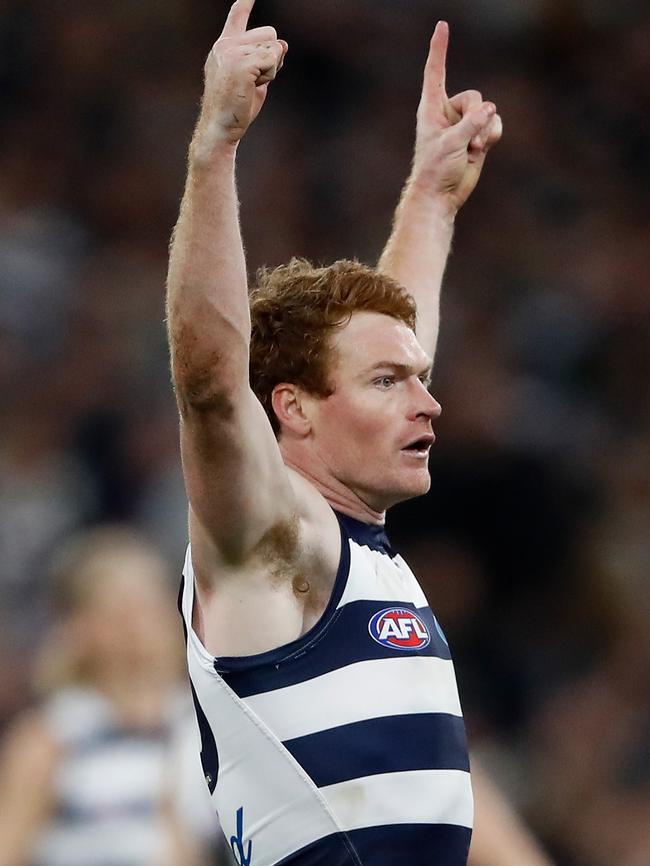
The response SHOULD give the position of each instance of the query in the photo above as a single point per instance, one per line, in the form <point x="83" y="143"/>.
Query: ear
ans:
<point x="286" y="400"/>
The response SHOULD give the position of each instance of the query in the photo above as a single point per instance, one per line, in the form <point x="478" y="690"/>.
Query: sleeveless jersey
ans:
<point x="109" y="785"/>
<point x="347" y="746"/>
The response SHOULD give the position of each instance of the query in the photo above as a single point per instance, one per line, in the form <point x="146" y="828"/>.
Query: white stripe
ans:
<point x="115" y="841"/>
<point x="129" y="771"/>
<point x="413" y="797"/>
<point x="364" y="690"/>
<point x="286" y="812"/>
<point x="374" y="576"/>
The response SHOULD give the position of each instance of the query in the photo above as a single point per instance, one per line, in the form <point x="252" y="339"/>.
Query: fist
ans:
<point x="238" y="71"/>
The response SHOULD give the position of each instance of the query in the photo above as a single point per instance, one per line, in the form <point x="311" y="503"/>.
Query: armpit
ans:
<point x="279" y="549"/>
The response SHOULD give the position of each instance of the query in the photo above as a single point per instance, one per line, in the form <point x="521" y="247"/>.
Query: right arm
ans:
<point x="236" y="481"/>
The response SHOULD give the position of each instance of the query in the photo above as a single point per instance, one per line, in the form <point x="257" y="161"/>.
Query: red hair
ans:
<point x="295" y="308"/>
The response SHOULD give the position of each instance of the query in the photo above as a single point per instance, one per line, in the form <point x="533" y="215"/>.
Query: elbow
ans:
<point x="206" y="380"/>
<point x="199" y="393"/>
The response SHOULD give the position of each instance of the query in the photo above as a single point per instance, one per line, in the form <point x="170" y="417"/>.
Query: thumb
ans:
<point x="459" y="136"/>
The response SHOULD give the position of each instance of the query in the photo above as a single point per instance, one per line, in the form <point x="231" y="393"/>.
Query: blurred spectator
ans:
<point x="88" y="777"/>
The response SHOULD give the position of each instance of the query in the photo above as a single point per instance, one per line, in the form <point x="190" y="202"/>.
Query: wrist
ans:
<point x="210" y="147"/>
<point x="436" y="204"/>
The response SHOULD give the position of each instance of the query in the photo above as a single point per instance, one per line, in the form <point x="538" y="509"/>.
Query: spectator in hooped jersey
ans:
<point x="85" y="776"/>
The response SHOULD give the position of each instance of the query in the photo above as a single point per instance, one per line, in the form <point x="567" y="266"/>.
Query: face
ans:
<point x="127" y="621"/>
<point x="375" y="431"/>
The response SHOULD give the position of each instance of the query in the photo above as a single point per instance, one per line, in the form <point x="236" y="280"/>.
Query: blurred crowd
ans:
<point x="534" y="542"/>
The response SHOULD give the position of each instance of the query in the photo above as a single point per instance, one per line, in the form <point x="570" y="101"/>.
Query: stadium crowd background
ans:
<point x="534" y="543"/>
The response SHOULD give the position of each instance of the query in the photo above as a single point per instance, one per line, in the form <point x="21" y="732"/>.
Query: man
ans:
<point x="325" y="695"/>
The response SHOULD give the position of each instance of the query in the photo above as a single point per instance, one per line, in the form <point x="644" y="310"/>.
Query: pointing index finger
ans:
<point x="237" y="20"/>
<point x="436" y="68"/>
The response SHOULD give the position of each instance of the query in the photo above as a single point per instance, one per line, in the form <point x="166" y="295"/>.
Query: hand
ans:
<point x="238" y="71"/>
<point x="453" y="135"/>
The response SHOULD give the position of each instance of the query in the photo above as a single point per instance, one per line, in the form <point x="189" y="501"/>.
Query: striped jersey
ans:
<point x="108" y="787"/>
<point x="347" y="746"/>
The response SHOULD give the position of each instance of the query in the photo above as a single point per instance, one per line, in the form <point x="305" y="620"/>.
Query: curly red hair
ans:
<point x="295" y="308"/>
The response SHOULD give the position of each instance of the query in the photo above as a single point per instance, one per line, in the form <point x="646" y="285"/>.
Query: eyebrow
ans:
<point x="405" y="369"/>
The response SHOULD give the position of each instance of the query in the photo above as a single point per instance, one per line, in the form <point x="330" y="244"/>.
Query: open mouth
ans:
<point x="420" y="447"/>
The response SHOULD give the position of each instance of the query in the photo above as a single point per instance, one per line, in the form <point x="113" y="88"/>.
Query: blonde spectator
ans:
<point x="84" y="776"/>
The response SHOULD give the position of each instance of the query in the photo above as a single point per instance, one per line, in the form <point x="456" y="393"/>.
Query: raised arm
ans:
<point x="452" y="140"/>
<point x="235" y="478"/>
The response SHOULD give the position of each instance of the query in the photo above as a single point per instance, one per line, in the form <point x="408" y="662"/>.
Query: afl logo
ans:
<point x="399" y="628"/>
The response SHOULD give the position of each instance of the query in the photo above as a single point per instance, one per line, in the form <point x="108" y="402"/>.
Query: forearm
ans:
<point x="207" y="302"/>
<point x="500" y="837"/>
<point x="207" y="299"/>
<point x="451" y="141"/>
<point x="416" y="255"/>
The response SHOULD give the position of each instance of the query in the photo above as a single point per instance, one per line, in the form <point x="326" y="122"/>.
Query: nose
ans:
<point x="426" y="405"/>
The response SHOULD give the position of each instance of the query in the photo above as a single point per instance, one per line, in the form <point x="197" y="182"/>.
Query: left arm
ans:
<point x="452" y="140"/>
<point x="453" y="137"/>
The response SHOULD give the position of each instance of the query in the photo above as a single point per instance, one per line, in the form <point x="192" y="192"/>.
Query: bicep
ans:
<point x="236" y="481"/>
<point x="27" y="762"/>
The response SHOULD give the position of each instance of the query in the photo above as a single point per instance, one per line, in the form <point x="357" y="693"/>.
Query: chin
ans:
<point x="420" y="489"/>
<point x="417" y="487"/>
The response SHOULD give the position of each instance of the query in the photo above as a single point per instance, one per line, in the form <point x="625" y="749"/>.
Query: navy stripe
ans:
<point x="152" y="741"/>
<point x="334" y="850"/>
<point x="389" y="845"/>
<point x="390" y="744"/>
<point x="370" y="535"/>
<point x="397" y="844"/>
<point x="209" y="753"/>
<point x="179" y="602"/>
<point x="71" y="814"/>
<point x="345" y="641"/>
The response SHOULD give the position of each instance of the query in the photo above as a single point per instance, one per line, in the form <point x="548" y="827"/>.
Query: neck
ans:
<point x="338" y="495"/>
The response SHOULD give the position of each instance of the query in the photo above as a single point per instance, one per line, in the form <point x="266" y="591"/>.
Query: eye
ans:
<point x="385" y="382"/>
<point x="425" y="379"/>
